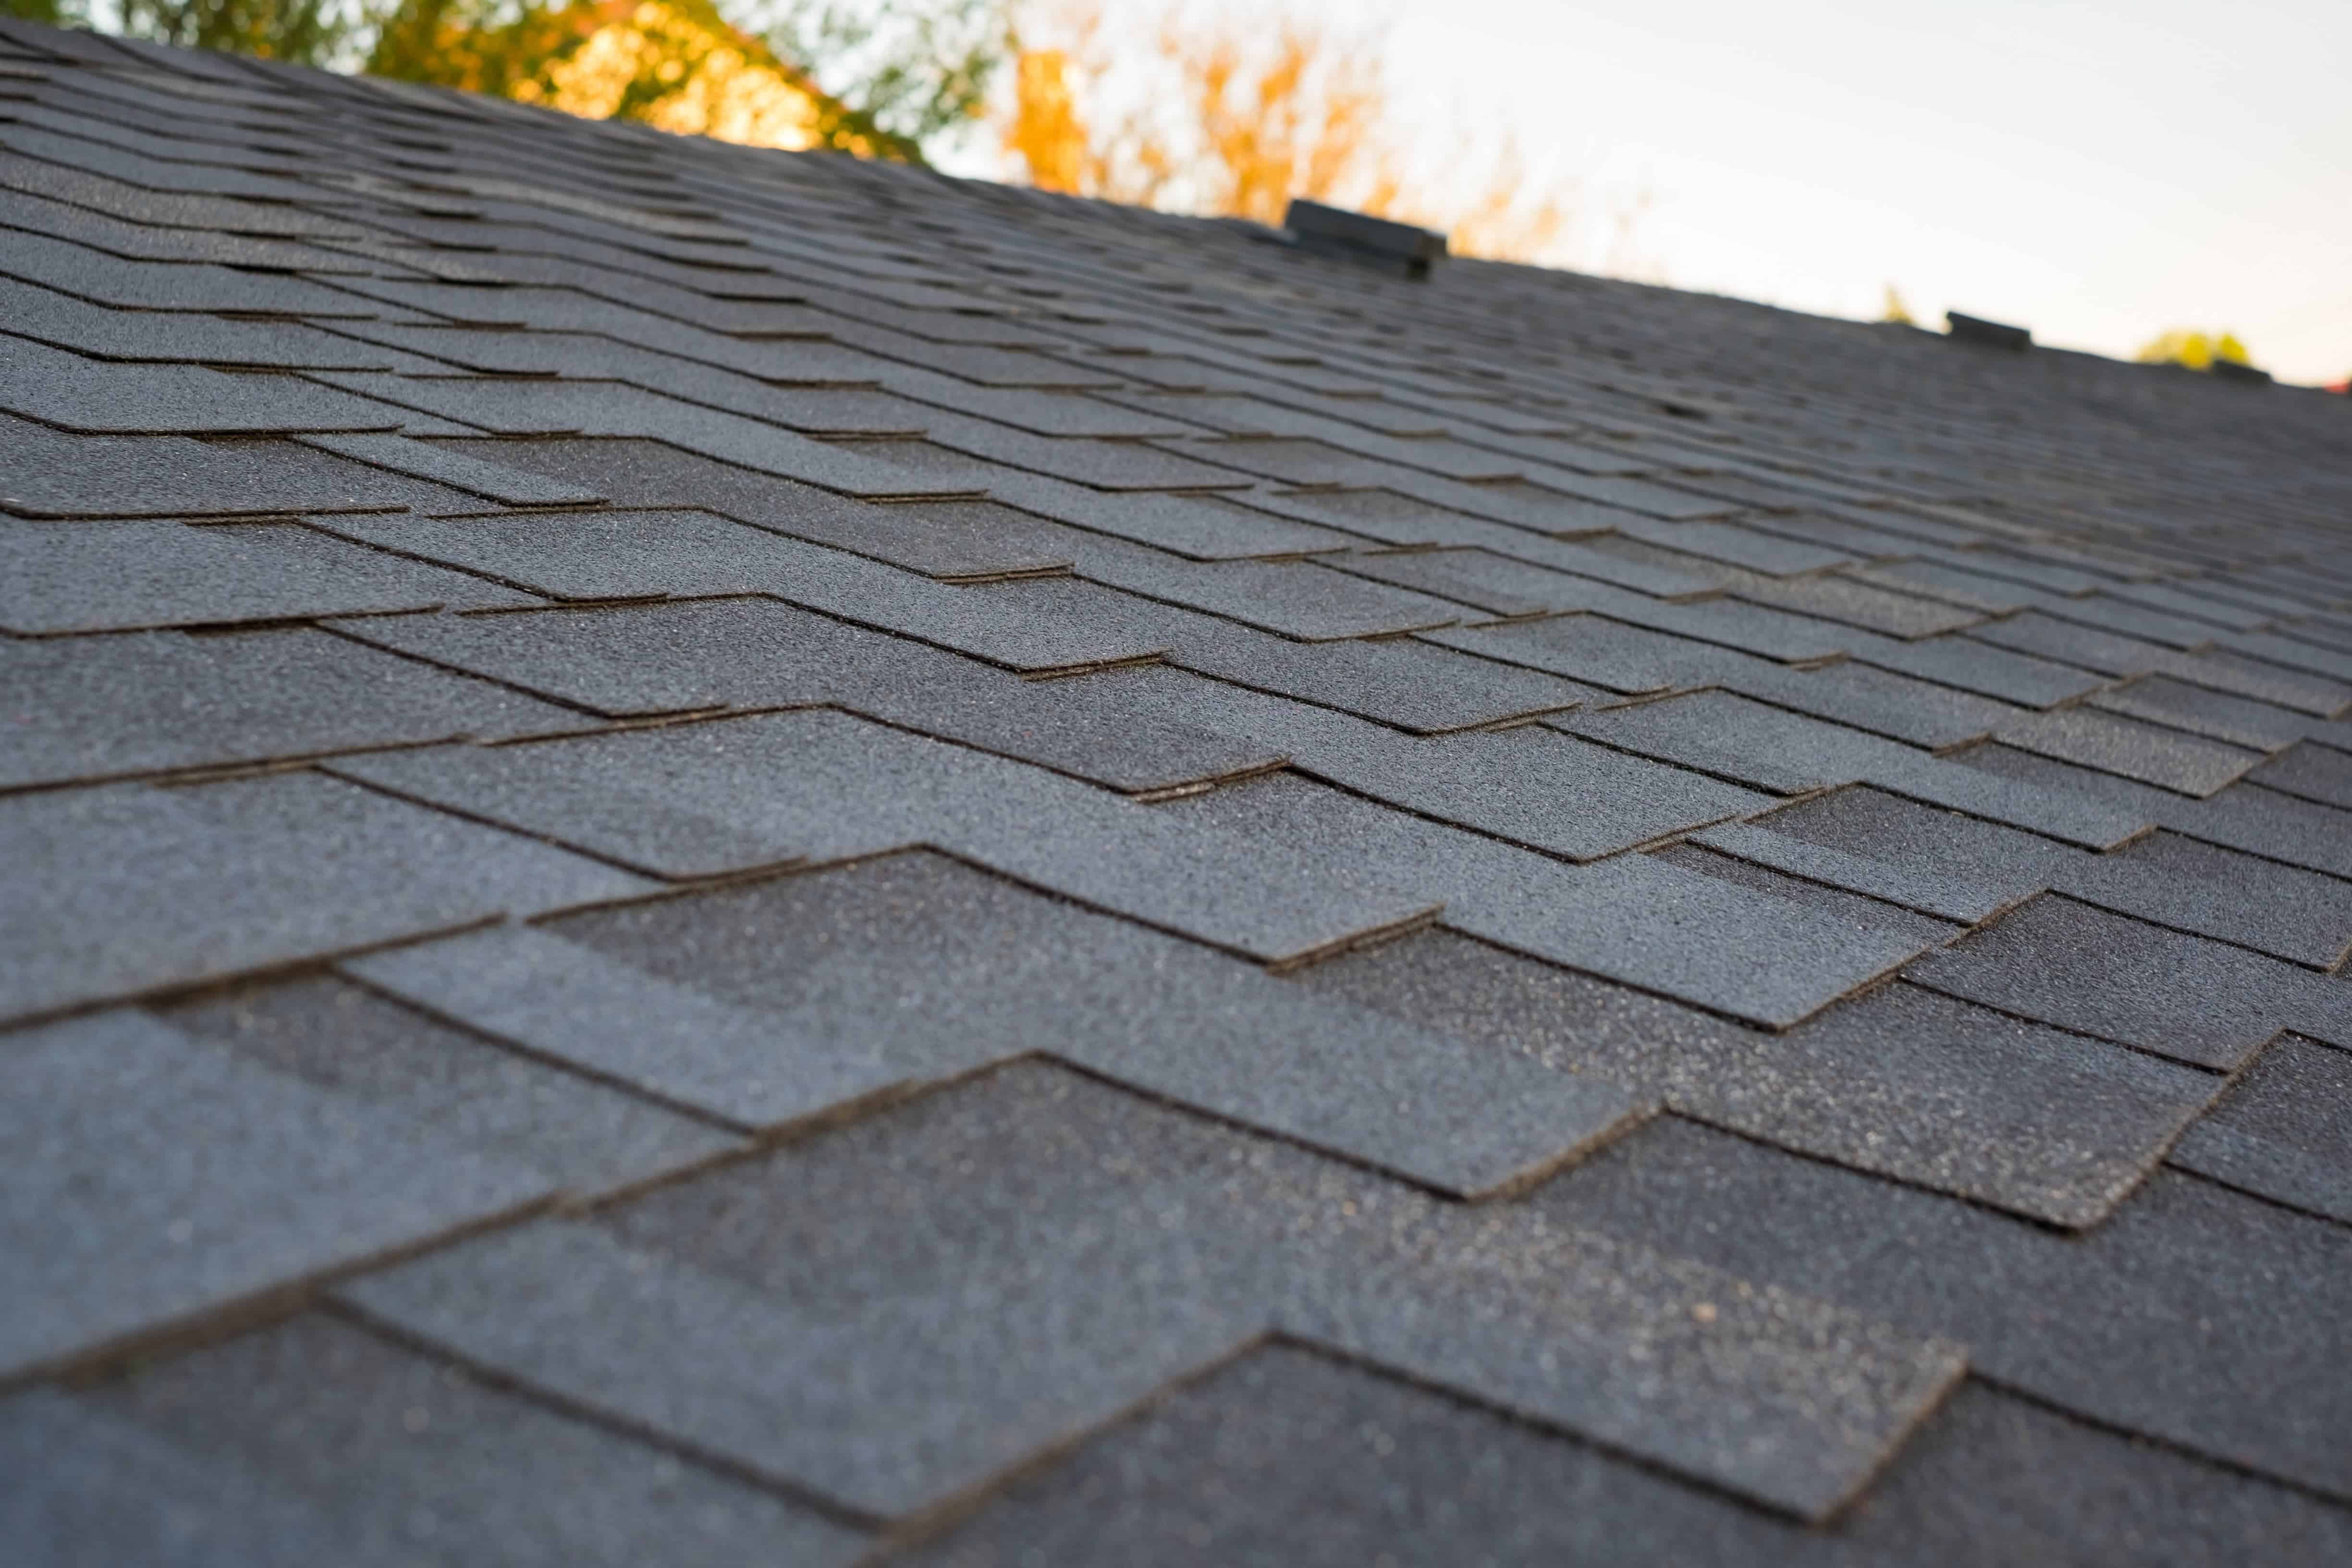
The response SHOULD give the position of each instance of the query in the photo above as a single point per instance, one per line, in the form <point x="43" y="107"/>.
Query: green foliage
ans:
<point x="916" y="69"/>
<point x="306" y="32"/>
<point x="56" y="13"/>
<point x="899" y="73"/>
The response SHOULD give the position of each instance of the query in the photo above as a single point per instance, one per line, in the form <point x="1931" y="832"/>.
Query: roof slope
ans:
<point x="711" y="856"/>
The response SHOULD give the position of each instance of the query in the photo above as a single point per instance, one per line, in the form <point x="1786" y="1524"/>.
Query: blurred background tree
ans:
<point x="2194" y="349"/>
<point x="1232" y="116"/>
<point x="878" y="78"/>
<point x="677" y="65"/>
<point x="306" y="32"/>
<point x="1194" y="107"/>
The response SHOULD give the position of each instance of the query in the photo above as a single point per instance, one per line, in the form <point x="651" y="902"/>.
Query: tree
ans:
<point x="1896" y="310"/>
<point x="878" y="78"/>
<point x="1216" y="119"/>
<point x="2194" y="349"/>
<point x="677" y="65"/>
<point x="921" y="71"/>
<point x="305" y="32"/>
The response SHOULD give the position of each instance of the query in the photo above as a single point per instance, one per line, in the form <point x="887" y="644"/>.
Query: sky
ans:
<point x="2099" y="172"/>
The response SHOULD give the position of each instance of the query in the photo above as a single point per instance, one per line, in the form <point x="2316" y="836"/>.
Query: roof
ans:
<point x="711" y="856"/>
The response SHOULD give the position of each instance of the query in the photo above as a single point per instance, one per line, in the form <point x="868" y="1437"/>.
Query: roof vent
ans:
<point x="1397" y="247"/>
<point x="2231" y="370"/>
<point x="1992" y="335"/>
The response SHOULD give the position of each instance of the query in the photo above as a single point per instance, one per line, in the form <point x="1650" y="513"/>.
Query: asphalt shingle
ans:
<point x="317" y="1441"/>
<point x="205" y="882"/>
<point x="761" y="1006"/>
<point x="124" y="1230"/>
<point x="2193" y="1315"/>
<point x="1132" y="894"/>
<point x="845" y="1278"/>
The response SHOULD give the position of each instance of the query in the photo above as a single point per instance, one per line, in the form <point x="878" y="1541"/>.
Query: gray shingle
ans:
<point x="1597" y="652"/>
<point x="940" y="539"/>
<point x="2282" y="1130"/>
<point x="2194" y="1315"/>
<point x="703" y="799"/>
<point x="122" y="1227"/>
<point x="2196" y="887"/>
<point x="1124" y="728"/>
<point x="164" y="286"/>
<point x="790" y="1001"/>
<point x="2160" y="700"/>
<point x="529" y="406"/>
<point x="2305" y="659"/>
<point x="1960" y="662"/>
<point x="1968" y="870"/>
<point x="2114" y="655"/>
<point x="163" y="337"/>
<point x="1877" y="700"/>
<point x="2115" y="744"/>
<point x="159" y="701"/>
<point x="123" y="890"/>
<point x="131" y="575"/>
<point x="1840" y="598"/>
<point x="100" y="397"/>
<point x="2245" y="816"/>
<point x="1472" y="577"/>
<point x="1289" y="1459"/>
<point x="1848" y="906"/>
<point x="893" y="1313"/>
<point x="1528" y="784"/>
<point x="54" y="474"/>
<point x="316" y="1441"/>
<point x="605" y="555"/>
<point x="1901" y="1082"/>
<point x="1295" y="599"/>
<point x="475" y="475"/>
<point x="2309" y="772"/>
<point x="2081" y="968"/>
<point x="1414" y="684"/>
<point x="1632" y="918"/>
<point x="1727" y="735"/>
<point x="345" y="1041"/>
<point x="86" y="226"/>
<point x="144" y="204"/>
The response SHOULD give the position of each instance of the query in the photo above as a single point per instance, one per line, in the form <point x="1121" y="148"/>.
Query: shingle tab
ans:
<point x="1630" y="919"/>
<point x="2118" y="1325"/>
<point x="1289" y="1457"/>
<point x="2283" y="1131"/>
<point x="118" y="891"/>
<point x="359" y="1046"/>
<point x="2066" y="964"/>
<point x="1181" y="1243"/>
<point x="317" y="1441"/>
<point x="730" y="797"/>
<point x="122" y="1229"/>
<point x="1900" y="1081"/>
<point x="761" y="1006"/>
<point x="160" y="702"/>
<point x="58" y="577"/>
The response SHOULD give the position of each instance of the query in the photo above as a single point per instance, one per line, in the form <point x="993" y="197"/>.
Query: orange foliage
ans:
<point x="677" y="65"/>
<point x="1044" y="131"/>
<point x="1234" y="123"/>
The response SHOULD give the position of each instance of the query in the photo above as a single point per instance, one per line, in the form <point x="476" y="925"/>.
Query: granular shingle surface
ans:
<point x="711" y="856"/>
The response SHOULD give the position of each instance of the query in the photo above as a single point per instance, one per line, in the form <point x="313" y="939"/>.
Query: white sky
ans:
<point x="2098" y="172"/>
